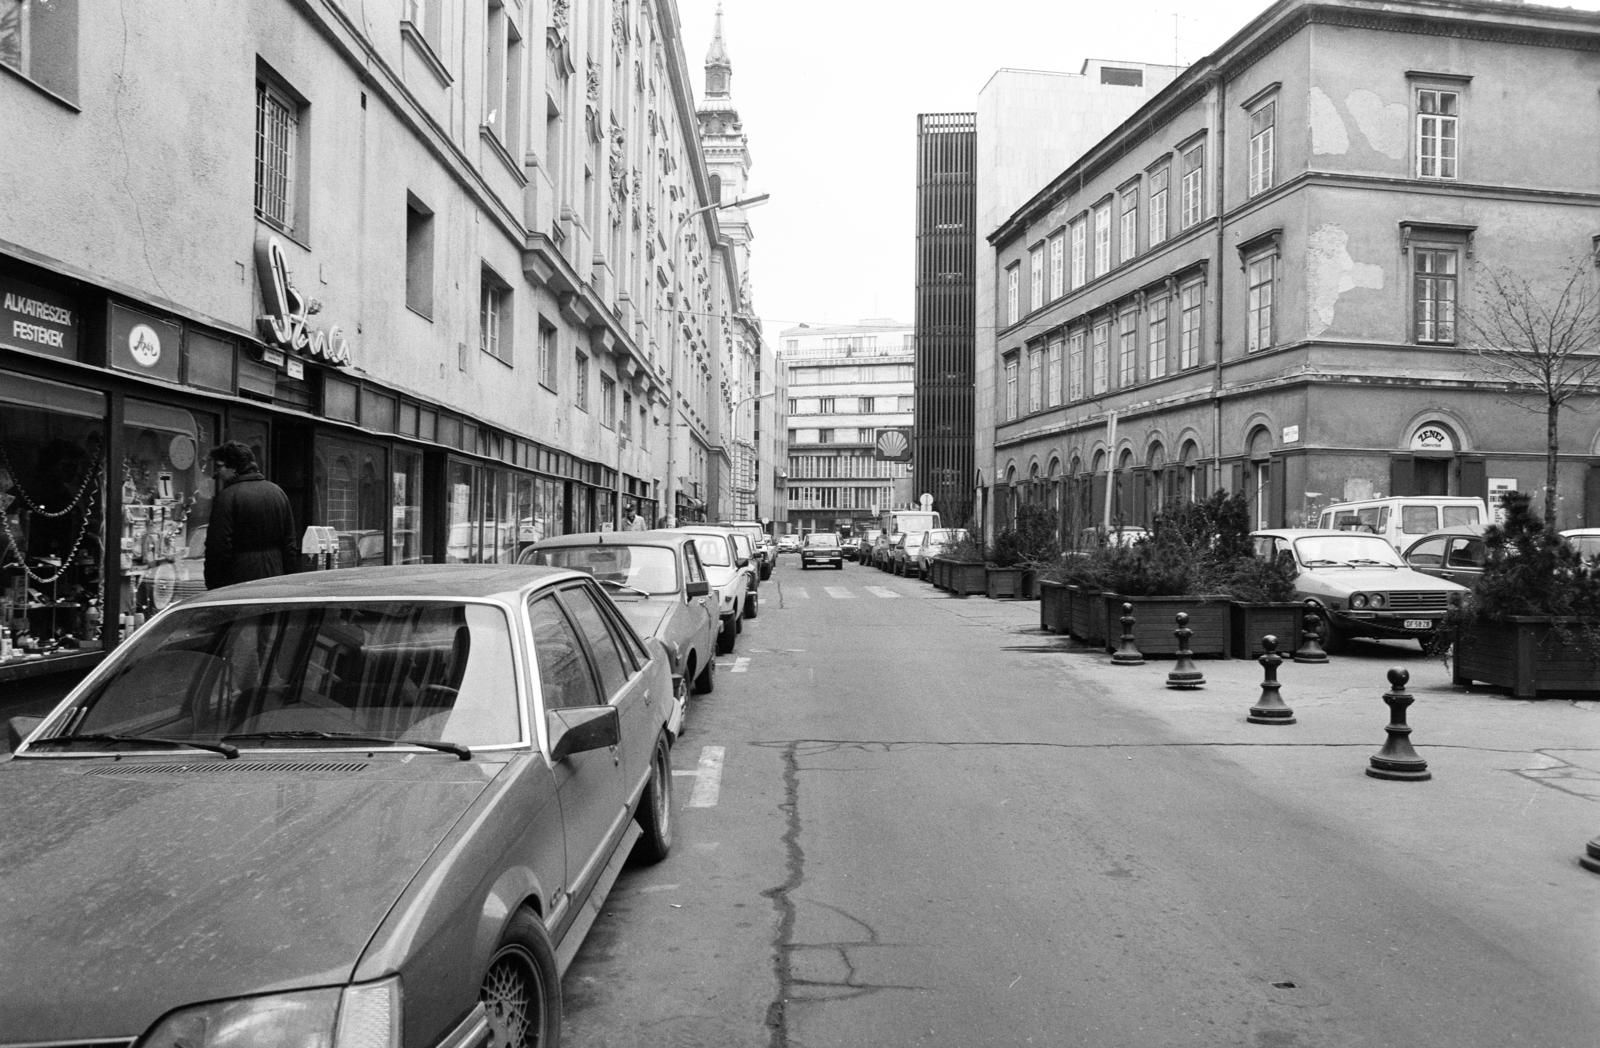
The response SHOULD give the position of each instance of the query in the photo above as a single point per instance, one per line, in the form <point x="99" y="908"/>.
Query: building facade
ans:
<point x="447" y="266"/>
<point x="1200" y="303"/>
<point x="942" y="445"/>
<point x="850" y="405"/>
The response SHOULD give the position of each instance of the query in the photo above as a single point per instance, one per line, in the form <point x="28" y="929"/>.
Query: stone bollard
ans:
<point x="1310" y="649"/>
<point x="1185" y="674"/>
<point x="1397" y="760"/>
<point x="1270" y="709"/>
<point x="1128" y="654"/>
<point x="1590" y="860"/>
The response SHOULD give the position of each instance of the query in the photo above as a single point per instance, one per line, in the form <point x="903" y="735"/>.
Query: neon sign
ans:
<point x="284" y="323"/>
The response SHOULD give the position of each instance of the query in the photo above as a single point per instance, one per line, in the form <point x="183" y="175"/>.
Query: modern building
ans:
<point x="454" y="270"/>
<point x="1197" y="302"/>
<point x="850" y="407"/>
<point x="1030" y="125"/>
<point x="942" y="443"/>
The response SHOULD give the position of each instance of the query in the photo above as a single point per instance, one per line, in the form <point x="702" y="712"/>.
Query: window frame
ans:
<point x="549" y="347"/>
<point x="1010" y="367"/>
<point x="1192" y="185"/>
<point x="1418" y="253"/>
<point x="494" y="291"/>
<point x="1100" y="357"/>
<point x="1261" y="300"/>
<point x="1420" y="138"/>
<point x="1128" y="224"/>
<point x="580" y="380"/>
<point x="1058" y="265"/>
<point x="1013" y="290"/>
<point x="1103" y="257"/>
<point x="1035" y="379"/>
<point x="1078" y="232"/>
<point x="1127" y="348"/>
<point x="1053" y="391"/>
<point x="1260" y="152"/>
<point x="1156" y="332"/>
<point x="1191" y="305"/>
<point x="420" y="236"/>
<point x="608" y="401"/>
<point x="1157" y="224"/>
<point x="43" y="43"/>
<point x="295" y="219"/>
<point x="1077" y="353"/>
<point x="1036" y="277"/>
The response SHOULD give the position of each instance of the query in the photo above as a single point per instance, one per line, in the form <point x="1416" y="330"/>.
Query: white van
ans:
<point x="1402" y="519"/>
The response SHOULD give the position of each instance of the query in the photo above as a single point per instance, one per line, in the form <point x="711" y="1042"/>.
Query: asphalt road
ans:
<point x="910" y="819"/>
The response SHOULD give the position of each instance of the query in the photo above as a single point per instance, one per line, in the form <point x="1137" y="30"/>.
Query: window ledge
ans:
<point x="498" y="148"/>
<point x="60" y="100"/>
<point x="412" y="34"/>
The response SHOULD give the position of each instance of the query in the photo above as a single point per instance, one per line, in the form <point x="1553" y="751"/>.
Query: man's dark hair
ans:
<point x="236" y="455"/>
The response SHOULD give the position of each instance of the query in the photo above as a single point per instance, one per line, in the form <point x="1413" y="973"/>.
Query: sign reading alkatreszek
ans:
<point x="32" y="318"/>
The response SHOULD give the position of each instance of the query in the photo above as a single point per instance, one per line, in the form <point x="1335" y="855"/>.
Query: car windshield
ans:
<point x="1586" y="545"/>
<point x="1354" y="549"/>
<point x="713" y="550"/>
<point x="826" y="540"/>
<point x="647" y="569"/>
<point x="407" y="671"/>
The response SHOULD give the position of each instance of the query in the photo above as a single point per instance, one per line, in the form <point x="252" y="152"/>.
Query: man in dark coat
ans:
<point x="251" y="535"/>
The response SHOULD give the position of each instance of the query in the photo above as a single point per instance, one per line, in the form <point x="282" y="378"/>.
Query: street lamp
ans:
<point x="754" y="447"/>
<point x="672" y="366"/>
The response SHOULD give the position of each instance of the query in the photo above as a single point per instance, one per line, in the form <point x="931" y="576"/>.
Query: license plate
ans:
<point x="1419" y="624"/>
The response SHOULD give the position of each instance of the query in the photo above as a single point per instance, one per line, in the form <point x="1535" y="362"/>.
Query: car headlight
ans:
<point x="366" y="1016"/>
<point x="1358" y="601"/>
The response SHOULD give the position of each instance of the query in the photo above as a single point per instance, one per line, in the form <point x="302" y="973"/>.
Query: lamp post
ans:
<point x="672" y="366"/>
<point x="734" y="422"/>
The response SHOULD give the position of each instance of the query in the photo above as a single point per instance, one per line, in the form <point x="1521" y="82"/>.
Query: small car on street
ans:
<point x="865" y="544"/>
<point x="332" y="808"/>
<point x="762" y="549"/>
<point x="789" y="543"/>
<point x="730" y="574"/>
<point x="1358" y="584"/>
<point x="1585" y="540"/>
<point x="934" y="542"/>
<point x="821" y="548"/>
<point x="880" y="549"/>
<point x="657" y="581"/>
<point x="902" y="555"/>
<point x="1456" y="554"/>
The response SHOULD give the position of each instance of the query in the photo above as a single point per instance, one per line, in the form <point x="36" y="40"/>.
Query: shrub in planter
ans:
<point x="1532" y="620"/>
<point x="1262" y="596"/>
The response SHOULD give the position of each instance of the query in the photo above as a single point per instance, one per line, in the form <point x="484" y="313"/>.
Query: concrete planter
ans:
<point x="1528" y="654"/>
<point x="1250" y="621"/>
<point x="1155" y="618"/>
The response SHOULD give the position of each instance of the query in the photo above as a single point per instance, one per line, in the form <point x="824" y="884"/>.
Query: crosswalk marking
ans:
<point x="801" y="593"/>
<point x="740" y="665"/>
<point x="839" y="593"/>
<point x="880" y="591"/>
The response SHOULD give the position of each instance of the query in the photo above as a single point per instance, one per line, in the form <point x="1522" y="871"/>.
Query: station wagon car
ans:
<point x="731" y="576"/>
<point x="657" y="581"/>
<point x="1358" y="584"/>
<point x="934" y="542"/>
<point x="332" y="808"/>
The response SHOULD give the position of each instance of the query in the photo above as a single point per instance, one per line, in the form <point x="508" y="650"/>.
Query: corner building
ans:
<point x="1255" y="281"/>
<point x="433" y="260"/>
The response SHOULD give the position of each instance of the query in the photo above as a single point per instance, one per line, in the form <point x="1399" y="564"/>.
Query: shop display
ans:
<point x="50" y="540"/>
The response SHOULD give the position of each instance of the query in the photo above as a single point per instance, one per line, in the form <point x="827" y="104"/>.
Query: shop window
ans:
<point x="52" y="518"/>
<point x="352" y="497"/>
<point x="411" y="538"/>
<point x="39" y="41"/>
<point x="166" y="491"/>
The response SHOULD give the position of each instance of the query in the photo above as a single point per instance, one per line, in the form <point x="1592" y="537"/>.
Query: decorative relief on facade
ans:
<point x="559" y="11"/>
<point x="619" y="171"/>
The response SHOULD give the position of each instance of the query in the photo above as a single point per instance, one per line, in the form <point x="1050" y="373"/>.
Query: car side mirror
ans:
<point x="697" y="589"/>
<point x="743" y="562"/>
<point x="579" y="729"/>
<point x="19" y="728"/>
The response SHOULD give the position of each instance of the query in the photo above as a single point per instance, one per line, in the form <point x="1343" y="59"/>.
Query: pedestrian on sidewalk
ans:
<point x="251" y="534"/>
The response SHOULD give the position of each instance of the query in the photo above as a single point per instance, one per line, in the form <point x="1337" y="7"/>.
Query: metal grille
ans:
<point x="1415" y="601"/>
<point x="228" y="768"/>
<point x="277" y="125"/>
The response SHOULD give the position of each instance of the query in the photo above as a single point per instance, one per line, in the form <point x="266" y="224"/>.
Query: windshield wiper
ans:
<point x="351" y="736"/>
<point x="223" y="748"/>
<point x="1368" y="560"/>
<point x="624" y="587"/>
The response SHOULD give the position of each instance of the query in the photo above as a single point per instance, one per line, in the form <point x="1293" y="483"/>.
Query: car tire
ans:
<point x="739" y="617"/>
<point x="655" y="808"/>
<point x="521" y="989"/>
<point x="725" y="637"/>
<point x="752" y="606"/>
<point x="1334" y="640"/>
<point x="804" y="565"/>
<point x="705" y="682"/>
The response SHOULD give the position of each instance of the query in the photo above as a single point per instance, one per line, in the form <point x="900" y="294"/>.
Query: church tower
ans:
<point x="722" y="137"/>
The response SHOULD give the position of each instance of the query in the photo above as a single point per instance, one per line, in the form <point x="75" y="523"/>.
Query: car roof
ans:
<point x="1573" y="533"/>
<point x="472" y="581"/>
<point x="654" y="537"/>
<point x="1304" y="533"/>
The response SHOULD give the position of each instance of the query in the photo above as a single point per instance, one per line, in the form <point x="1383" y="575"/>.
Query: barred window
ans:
<point x="277" y="134"/>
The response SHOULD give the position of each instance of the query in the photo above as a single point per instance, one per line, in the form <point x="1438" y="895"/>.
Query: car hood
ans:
<point x="130" y="887"/>
<point x="645" y="614"/>
<point x="1366" y="580"/>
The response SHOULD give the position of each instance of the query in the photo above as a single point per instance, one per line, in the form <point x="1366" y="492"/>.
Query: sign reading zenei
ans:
<point x="283" y="326"/>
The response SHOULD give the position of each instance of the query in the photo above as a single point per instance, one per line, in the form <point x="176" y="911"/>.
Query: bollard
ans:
<point x="1591" y="859"/>
<point x="1128" y="654"/>
<point x="1270" y="709"/>
<point x="1310" y="649"/>
<point x="1185" y="674"/>
<point x="1397" y="760"/>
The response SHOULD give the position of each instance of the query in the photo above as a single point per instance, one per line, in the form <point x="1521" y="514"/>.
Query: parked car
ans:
<point x="745" y="550"/>
<point x="789" y="543"/>
<point x="934" y="542"/>
<point x="881" y="547"/>
<point x="902" y="555"/>
<point x="719" y="555"/>
<point x="1121" y="535"/>
<point x="865" y="544"/>
<point x="1585" y="540"/>
<point x="1358" y="584"/>
<point x="330" y="809"/>
<point x="1402" y="519"/>
<point x="1457" y="554"/>
<point x="821" y="547"/>
<point x="765" y="553"/>
<point x="657" y="581"/>
<point x="848" y="544"/>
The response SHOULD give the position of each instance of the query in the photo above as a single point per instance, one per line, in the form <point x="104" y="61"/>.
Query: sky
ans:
<point x="829" y="92"/>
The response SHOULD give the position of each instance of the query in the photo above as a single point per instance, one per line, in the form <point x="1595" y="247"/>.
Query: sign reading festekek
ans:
<point x="283" y="326"/>
<point x="36" y="319"/>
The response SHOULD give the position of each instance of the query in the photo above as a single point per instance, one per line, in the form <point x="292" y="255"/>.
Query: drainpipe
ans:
<point x="1219" y="113"/>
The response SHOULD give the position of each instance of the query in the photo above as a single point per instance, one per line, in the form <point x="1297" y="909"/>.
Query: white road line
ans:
<point x="707" y="778"/>
<point x="881" y="591"/>
<point x="740" y="665"/>
<point x="839" y="593"/>
<point x="801" y="594"/>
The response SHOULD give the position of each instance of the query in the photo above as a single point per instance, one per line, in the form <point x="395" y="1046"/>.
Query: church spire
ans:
<point x="719" y="67"/>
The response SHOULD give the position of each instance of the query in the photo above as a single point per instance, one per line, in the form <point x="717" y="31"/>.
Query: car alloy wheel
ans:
<point x="521" y="991"/>
<point x="655" y="808"/>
